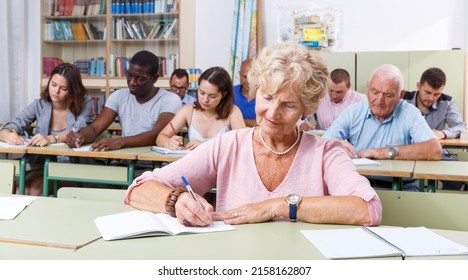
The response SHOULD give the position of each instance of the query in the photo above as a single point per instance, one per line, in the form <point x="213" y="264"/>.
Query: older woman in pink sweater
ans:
<point x="270" y="171"/>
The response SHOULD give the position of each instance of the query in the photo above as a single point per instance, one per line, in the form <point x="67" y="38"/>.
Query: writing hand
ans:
<point x="188" y="209"/>
<point x="350" y="149"/>
<point x="74" y="139"/>
<point x="14" y="139"/>
<point x="175" y="142"/>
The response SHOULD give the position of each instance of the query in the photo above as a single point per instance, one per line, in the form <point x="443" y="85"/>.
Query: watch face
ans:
<point x="393" y="151"/>
<point x="293" y="198"/>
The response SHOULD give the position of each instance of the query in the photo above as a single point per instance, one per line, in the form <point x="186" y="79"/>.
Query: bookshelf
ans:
<point x="101" y="35"/>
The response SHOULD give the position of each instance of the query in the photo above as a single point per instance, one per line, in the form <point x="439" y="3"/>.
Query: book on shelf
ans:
<point x="49" y="63"/>
<point x="365" y="242"/>
<point x="83" y="65"/>
<point x="136" y="224"/>
<point x="165" y="26"/>
<point x="169" y="30"/>
<point x="78" y="31"/>
<point x="166" y="151"/>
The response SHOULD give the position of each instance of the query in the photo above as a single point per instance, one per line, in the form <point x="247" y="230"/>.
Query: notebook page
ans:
<point x="130" y="224"/>
<point x="419" y="241"/>
<point x="348" y="243"/>
<point x="176" y="228"/>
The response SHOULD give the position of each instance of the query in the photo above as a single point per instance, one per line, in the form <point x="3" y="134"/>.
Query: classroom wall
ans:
<point x="378" y="25"/>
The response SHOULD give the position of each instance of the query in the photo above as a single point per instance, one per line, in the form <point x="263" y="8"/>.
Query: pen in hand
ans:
<point x="181" y="143"/>
<point x="189" y="189"/>
<point x="343" y="136"/>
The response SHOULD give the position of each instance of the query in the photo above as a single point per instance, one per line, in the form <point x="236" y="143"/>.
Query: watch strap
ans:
<point x="292" y="212"/>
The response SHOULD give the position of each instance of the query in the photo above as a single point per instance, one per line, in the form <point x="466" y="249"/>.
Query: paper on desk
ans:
<point x="10" y="207"/>
<point x="6" y="145"/>
<point x="84" y="148"/>
<point x="166" y="151"/>
<point x="364" y="161"/>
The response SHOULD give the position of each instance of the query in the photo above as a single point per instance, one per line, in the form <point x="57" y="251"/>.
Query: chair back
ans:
<point x="432" y="210"/>
<point x="7" y="177"/>
<point x="97" y="194"/>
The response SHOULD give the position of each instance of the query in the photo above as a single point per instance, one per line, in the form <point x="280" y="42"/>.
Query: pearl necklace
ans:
<point x="276" y="152"/>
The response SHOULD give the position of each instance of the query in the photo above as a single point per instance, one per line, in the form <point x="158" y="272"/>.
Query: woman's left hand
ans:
<point x="250" y="213"/>
<point x="192" y="144"/>
<point x="39" y="140"/>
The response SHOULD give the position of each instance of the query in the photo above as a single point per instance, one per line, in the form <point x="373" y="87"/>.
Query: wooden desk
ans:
<point x="90" y="173"/>
<point x="454" y="142"/>
<point x="440" y="170"/>
<point x="390" y="168"/>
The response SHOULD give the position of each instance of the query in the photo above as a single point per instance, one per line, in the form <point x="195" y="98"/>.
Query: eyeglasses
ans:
<point x="181" y="89"/>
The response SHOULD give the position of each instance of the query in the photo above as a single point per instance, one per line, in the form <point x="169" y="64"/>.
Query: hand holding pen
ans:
<point x="15" y="139"/>
<point x="199" y="210"/>
<point x="350" y="149"/>
<point x="176" y="142"/>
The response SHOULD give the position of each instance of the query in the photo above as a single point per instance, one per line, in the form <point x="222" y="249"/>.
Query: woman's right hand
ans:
<point x="175" y="142"/>
<point x="189" y="212"/>
<point x="350" y="149"/>
<point x="14" y="139"/>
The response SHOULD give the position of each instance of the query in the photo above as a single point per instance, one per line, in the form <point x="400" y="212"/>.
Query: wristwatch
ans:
<point x="393" y="152"/>
<point x="293" y="201"/>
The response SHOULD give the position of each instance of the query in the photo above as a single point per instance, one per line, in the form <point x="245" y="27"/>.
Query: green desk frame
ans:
<point x="130" y="174"/>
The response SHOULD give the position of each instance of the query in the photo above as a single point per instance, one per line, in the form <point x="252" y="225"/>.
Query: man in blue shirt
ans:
<point x="242" y="99"/>
<point x="385" y="126"/>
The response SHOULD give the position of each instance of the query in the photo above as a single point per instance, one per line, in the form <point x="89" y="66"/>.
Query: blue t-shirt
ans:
<point x="403" y="127"/>
<point x="247" y="107"/>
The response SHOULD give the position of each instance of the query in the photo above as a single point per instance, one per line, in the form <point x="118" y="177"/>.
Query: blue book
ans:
<point x="114" y="6"/>
<point x="128" y="7"/>
<point x="92" y="68"/>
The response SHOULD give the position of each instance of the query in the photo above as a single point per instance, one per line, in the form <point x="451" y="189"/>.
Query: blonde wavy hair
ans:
<point x="293" y="65"/>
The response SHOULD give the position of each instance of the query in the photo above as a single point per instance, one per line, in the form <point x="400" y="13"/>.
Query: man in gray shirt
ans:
<point x="143" y="109"/>
<point x="439" y="110"/>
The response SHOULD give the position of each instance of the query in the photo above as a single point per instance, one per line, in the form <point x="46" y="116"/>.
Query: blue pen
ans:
<point x="189" y="189"/>
<point x="343" y="136"/>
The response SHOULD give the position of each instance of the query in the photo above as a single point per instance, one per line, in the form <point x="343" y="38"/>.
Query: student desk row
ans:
<point x="430" y="170"/>
<point x="118" y="175"/>
<point x="65" y="229"/>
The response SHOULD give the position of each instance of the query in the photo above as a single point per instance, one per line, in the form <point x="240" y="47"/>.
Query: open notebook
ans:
<point x="364" y="242"/>
<point x="166" y="151"/>
<point x="142" y="223"/>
